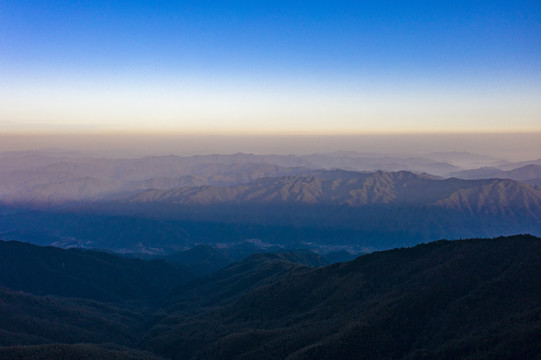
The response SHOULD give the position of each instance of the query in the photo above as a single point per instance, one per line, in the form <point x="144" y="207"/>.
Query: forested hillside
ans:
<point x="476" y="299"/>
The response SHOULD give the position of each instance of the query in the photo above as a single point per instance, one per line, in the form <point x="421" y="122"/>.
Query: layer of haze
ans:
<point x="513" y="147"/>
<point x="270" y="67"/>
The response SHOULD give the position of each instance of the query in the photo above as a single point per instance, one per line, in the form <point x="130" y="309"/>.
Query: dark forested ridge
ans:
<point x="474" y="299"/>
<point x="29" y="319"/>
<point x="85" y="273"/>
<point x="74" y="352"/>
<point x="448" y="299"/>
<point x="204" y="259"/>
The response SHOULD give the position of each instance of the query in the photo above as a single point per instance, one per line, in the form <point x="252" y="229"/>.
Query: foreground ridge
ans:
<point x="473" y="298"/>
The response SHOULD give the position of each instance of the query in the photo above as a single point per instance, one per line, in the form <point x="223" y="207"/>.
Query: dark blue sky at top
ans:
<point x="273" y="37"/>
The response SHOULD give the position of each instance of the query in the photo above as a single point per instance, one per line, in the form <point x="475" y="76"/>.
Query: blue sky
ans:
<point x="270" y="66"/>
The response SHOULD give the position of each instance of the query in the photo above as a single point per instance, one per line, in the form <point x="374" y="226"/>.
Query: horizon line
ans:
<point x="32" y="133"/>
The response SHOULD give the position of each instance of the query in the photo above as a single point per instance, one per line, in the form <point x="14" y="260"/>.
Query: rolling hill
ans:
<point x="474" y="299"/>
<point x="448" y="299"/>
<point x="85" y="273"/>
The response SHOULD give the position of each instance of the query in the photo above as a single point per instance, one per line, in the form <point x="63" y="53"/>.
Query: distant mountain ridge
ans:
<point x="103" y="178"/>
<point x="361" y="189"/>
<point x="163" y="204"/>
<point x="326" y="210"/>
<point x="530" y="174"/>
<point x="54" y="177"/>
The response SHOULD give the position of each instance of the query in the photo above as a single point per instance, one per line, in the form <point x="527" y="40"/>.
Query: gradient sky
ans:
<point x="270" y="67"/>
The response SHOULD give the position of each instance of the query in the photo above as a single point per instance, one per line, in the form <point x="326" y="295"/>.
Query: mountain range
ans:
<point x="441" y="300"/>
<point x="245" y="203"/>
<point x="475" y="299"/>
<point x="528" y="174"/>
<point x="359" y="189"/>
<point x="53" y="177"/>
<point x="328" y="210"/>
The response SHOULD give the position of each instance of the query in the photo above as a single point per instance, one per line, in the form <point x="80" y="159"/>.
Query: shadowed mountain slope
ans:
<point x="85" y="273"/>
<point x="204" y="259"/>
<point x="29" y="319"/>
<point x="476" y="299"/>
<point x="238" y="278"/>
<point x="471" y="299"/>
<point x="303" y="257"/>
<point x="75" y="352"/>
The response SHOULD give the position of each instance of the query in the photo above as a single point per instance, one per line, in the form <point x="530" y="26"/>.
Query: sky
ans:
<point x="270" y="67"/>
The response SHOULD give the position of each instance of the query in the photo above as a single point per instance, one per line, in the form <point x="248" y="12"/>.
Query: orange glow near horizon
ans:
<point x="319" y="108"/>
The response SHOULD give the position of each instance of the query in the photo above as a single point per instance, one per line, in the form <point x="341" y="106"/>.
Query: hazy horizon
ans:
<point x="512" y="147"/>
<point x="136" y="78"/>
